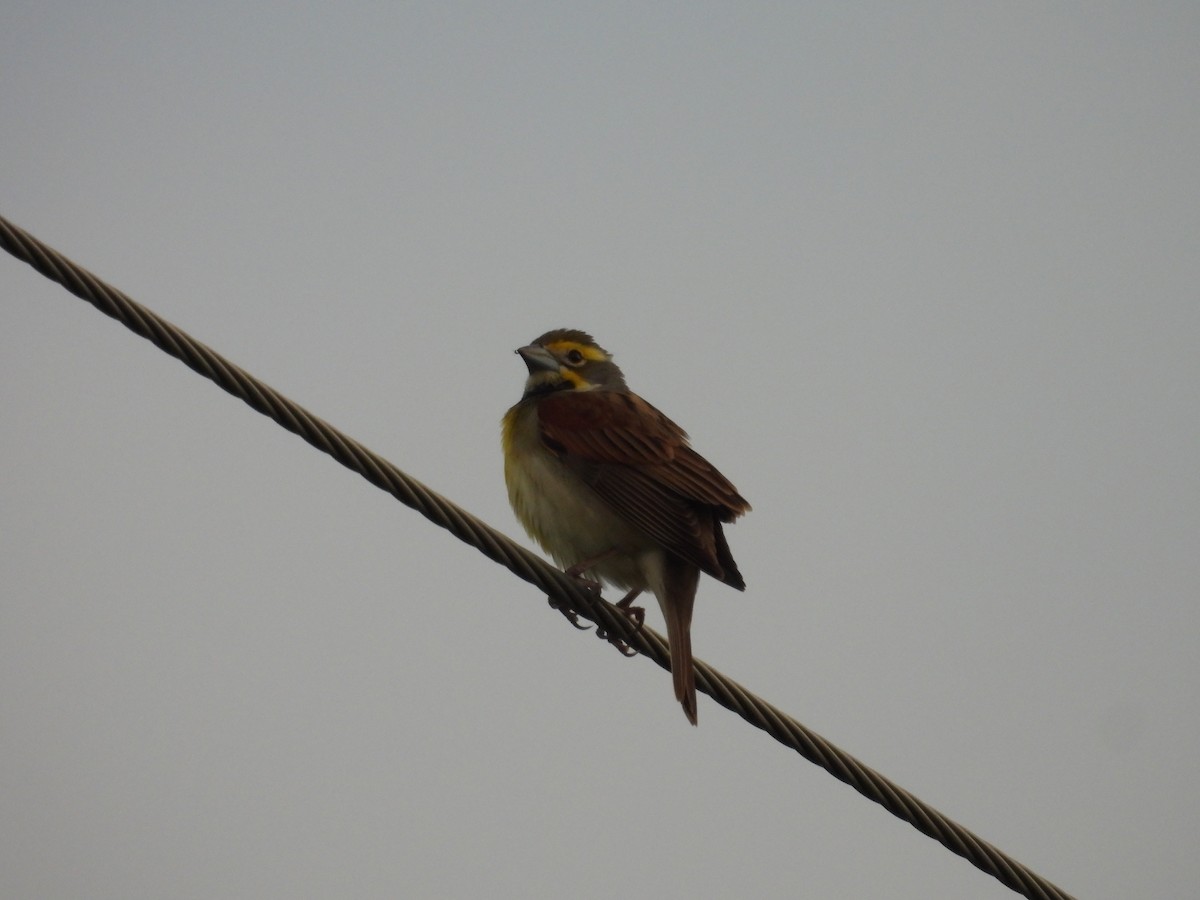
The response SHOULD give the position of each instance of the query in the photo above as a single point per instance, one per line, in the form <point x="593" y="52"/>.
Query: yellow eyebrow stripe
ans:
<point x="560" y="348"/>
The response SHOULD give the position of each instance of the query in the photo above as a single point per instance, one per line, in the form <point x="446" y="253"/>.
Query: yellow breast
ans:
<point x="560" y="512"/>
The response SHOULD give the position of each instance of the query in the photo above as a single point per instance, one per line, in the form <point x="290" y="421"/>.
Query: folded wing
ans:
<point x="639" y="462"/>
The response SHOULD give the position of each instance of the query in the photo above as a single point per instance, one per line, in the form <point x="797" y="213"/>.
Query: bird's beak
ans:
<point x="538" y="359"/>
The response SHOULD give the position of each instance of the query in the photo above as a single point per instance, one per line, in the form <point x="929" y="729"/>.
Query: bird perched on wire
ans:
<point x="608" y="485"/>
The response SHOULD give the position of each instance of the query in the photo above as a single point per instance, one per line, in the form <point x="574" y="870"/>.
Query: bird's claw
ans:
<point x="568" y="614"/>
<point x="634" y="614"/>
<point x="593" y="587"/>
<point x="623" y="648"/>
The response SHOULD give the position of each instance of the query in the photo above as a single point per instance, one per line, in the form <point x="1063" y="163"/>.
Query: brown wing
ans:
<point x="638" y="461"/>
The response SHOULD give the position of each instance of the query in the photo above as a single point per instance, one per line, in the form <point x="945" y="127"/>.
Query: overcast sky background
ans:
<point x="921" y="279"/>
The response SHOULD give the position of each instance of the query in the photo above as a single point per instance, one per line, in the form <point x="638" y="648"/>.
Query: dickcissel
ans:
<point x="608" y="485"/>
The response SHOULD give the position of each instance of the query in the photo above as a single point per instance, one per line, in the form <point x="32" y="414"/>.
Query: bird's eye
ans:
<point x="574" y="357"/>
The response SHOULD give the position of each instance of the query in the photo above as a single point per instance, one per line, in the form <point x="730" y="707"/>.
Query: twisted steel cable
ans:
<point x="565" y="592"/>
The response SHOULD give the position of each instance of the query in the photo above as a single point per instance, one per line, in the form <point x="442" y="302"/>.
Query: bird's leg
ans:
<point x="576" y="571"/>
<point x="635" y="614"/>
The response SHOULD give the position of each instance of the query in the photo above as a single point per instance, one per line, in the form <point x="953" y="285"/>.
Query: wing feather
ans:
<point x="639" y="462"/>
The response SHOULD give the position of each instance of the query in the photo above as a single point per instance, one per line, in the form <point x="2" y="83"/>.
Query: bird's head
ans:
<point x="569" y="360"/>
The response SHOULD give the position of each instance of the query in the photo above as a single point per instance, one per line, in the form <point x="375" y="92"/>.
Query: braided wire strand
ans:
<point x="566" y="592"/>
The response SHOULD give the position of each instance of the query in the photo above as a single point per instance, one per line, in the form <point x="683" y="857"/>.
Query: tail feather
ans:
<point x="683" y="670"/>
<point x="677" y="600"/>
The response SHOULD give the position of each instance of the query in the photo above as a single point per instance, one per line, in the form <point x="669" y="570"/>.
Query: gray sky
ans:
<point x="922" y="281"/>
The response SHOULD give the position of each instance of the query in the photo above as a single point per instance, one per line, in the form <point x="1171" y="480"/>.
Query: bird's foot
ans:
<point x="635" y="614"/>
<point x="592" y="587"/>
<point x="569" y="614"/>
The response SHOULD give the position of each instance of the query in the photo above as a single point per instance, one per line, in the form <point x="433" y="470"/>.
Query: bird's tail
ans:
<point x="677" y="600"/>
